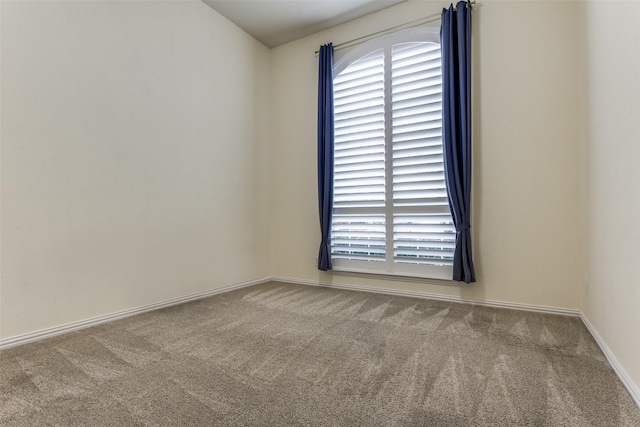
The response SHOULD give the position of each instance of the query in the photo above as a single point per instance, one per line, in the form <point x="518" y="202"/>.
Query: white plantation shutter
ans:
<point x="423" y="228"/>
<point x="391" y="213"/>
<point x="358" y="227"/>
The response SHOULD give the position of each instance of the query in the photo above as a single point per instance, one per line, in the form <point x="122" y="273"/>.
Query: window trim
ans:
<point x="409" y="271"/>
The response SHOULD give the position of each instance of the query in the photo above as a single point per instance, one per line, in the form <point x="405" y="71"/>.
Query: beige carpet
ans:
<point x="276" y="355"/>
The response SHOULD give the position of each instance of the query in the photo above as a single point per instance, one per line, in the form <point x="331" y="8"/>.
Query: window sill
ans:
<point x="349" y="272"/>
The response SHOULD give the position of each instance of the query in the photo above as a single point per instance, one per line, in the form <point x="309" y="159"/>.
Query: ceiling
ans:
<point x="275" y="22"/>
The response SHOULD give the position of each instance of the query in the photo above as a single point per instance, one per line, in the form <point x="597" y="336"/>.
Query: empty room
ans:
<point x="319" y="213"/>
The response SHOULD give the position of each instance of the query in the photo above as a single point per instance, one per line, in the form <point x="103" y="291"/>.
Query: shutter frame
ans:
<point x="391" y="213"/>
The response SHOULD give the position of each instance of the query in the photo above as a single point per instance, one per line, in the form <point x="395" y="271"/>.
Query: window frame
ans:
<point x="390" y="267"/>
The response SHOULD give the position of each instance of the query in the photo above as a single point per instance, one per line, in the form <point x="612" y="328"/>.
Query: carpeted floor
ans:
<point x="280" y="354"/>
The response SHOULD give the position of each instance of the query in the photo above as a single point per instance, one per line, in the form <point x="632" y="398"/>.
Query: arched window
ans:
<point x="391" y="214"/>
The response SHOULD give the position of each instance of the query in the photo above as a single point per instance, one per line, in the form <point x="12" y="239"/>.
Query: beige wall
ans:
<point x="525" y="220"/>
<point x="133" y="157"/>
<point x="611" y="149"/>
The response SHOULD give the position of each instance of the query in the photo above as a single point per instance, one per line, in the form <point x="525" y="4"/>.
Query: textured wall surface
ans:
<point x="132" y="157"/>
<point x="611" y="206"/>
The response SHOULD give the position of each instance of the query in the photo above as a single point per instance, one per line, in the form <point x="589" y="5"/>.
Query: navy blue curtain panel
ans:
<point x="325" y="153"/>
<point x="455" y="39"/>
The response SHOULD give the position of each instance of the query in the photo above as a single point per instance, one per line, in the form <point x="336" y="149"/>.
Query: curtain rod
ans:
<point x="411" y="24"/>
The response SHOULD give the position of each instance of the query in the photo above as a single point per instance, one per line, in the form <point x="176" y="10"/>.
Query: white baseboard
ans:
<point x="629" y="384"/>
<point x="93" y="321"/>
<point x="439" y="297"/>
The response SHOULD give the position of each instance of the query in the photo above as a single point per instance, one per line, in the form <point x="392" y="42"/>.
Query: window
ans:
<point x="390" y="212"/>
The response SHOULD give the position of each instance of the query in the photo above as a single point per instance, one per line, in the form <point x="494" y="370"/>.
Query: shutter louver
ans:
<point x="423" y="239"/>
<point x="358" y="237"/>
